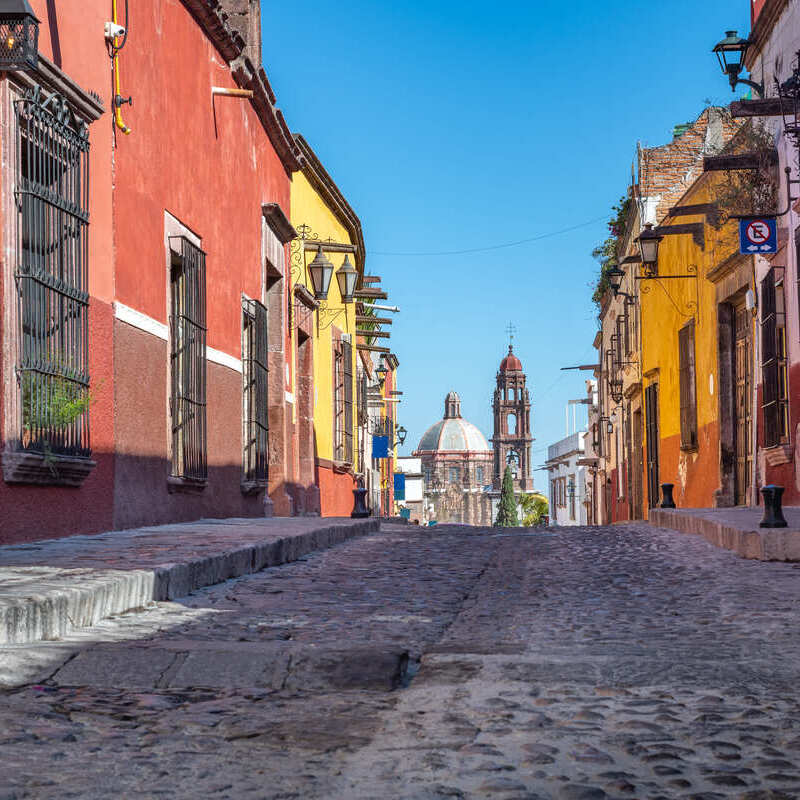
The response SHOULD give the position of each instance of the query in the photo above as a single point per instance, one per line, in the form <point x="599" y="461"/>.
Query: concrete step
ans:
<point x="736" y="529"/>
<point x="51" y="587"/>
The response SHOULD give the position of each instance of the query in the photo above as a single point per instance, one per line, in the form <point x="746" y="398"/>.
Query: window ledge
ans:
<point x="253" y="487"/>
<point x="186" y="485"/>
<point x="689" y="448"/>
<point x="342" y="466"/>
<point x="21" y="466"/>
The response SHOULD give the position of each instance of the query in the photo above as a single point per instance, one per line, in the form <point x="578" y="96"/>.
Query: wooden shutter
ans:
<point x="688" y="391"/>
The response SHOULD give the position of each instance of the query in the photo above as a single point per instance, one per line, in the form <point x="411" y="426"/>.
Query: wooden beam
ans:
<point x="741" y="161"/>
<point x="372" y="348"/>
<point x="372" y="279"/>
<point x="376" y="334"/>
<point x="771" y="107"/>
<point x="378" y="320"/>
<point x="370" y="294"/>
<point x="328" y="247"/>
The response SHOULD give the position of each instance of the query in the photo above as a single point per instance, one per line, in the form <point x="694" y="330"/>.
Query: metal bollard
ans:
<point x="667" y="502"/>
<point x="773" y="515"/>
<point x="360" y="509"/>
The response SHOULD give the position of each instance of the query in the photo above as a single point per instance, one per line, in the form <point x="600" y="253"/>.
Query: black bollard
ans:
<point x="360" y="509"/>
<point x="773" y="515"/>
<point x="667" y="502"/>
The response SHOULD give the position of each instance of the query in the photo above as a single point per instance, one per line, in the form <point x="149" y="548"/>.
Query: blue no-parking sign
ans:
<point x="758" y="235"/>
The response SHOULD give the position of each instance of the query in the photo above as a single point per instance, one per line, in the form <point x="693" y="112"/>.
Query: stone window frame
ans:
<point x="18" y="466"/>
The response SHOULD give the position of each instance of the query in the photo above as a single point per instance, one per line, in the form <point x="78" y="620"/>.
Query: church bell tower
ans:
<point x="512" y="425"/>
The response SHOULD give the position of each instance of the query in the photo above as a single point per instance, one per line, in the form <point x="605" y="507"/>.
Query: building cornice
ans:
<point x="326" y="187"/>
<point x="210" y="16"/>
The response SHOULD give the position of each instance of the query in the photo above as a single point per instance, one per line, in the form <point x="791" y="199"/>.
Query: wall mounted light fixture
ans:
<point x="731" y="53"/>
<point x="19" y="36"/>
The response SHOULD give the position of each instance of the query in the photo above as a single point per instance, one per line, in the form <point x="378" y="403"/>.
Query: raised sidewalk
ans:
<point x="736" y="529"/>
<point x="51" y="587"/>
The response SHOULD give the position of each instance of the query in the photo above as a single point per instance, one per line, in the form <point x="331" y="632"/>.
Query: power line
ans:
<point x="496" y="246"/>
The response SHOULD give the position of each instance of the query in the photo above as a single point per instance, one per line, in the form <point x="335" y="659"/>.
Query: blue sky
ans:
<point x="463" y="125"/>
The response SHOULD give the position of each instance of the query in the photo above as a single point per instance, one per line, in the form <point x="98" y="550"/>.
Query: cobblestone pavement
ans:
<point x="625" y="662"/>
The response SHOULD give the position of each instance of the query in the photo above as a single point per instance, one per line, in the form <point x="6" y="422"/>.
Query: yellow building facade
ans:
<point x="323" y="334"/>
<point x="696" y="354"/>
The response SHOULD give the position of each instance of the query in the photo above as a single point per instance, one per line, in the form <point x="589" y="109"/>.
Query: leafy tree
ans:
<point x="507" y="510"/>
<point x="534" y="508"/>
<point x="606" y="253"/>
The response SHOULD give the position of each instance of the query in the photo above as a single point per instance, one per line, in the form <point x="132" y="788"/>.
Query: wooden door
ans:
<point x="637" y="465"/>
<point x="742" y="404"/>
<point x="651" y="435"/>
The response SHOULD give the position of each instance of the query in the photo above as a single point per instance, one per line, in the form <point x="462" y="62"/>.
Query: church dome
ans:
<point x="453" y="433"/>
<point x="510" y="363"/>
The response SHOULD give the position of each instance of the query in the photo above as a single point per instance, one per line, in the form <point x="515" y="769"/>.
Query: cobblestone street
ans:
<point x="622" y="662"/>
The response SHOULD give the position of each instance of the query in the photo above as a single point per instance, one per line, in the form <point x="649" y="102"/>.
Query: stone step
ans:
<point x="51" y="587"/>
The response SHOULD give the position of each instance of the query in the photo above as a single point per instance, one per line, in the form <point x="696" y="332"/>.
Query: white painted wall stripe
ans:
<point x="218" y="357"/>
<point x="155" y="328"/>
<point x="141" y="321"/>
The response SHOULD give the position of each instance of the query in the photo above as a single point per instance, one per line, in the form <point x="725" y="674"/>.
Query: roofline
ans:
<point x="231" y="46"/>
<point x="322" y="181"/>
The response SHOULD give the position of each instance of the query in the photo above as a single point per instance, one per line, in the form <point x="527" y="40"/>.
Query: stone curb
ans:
<point x="762" y="544"/>
<point x="41" y="603"/>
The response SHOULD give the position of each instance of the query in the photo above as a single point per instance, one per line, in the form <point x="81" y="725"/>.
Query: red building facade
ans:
<point x="144" y="366"/>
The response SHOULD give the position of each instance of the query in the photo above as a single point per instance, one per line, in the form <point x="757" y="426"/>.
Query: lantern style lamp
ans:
<point x="321" y="271"/>
<point x="401" y="435"/>
<point x="346" y="277"/>
<point x="615" y="276"/>
<point x="19" y="36"/>
<point x="381" y="373"/>
<point x="731" y="53"/>
<point x="648" y="246"/>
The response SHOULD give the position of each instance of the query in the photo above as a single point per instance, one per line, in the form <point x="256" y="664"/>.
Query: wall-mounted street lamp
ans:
<point x="731" y="53"/>
<point x="321" y="272"/>
<point x="346" y="277"/>
<point x="649" y="241"/>
<point x="401" y="436"/>
<point x="381" y="372"/>
<point x="19" y="36"/>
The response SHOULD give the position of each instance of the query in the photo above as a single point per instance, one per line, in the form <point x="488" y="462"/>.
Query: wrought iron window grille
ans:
<point x="255" y="416"/>
<point x="188" y="361"/>
<point x="52" y="199"/>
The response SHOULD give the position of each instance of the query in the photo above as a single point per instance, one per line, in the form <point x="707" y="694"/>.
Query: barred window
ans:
<point x="773" y="361"/>
<point x="52" y="199"/>
<point x="188" y="361"/>
<point x="688" y="390"/>
<point x="454" y="474"/>
<point x="347" y="358"/>
<point x="255" y="411"/>
<point x="338" y="401"/>
<point x="479" y="475"/>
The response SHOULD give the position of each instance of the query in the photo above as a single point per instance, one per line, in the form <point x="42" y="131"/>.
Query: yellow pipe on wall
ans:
<point x="118" y="121"/>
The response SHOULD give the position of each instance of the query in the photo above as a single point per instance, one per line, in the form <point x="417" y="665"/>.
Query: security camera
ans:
<point x="114" y="31"/>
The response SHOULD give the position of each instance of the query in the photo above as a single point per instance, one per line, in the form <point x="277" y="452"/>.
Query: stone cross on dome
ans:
<point x="511" y="330"/>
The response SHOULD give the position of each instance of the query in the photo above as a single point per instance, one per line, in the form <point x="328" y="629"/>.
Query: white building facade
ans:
<point x="568" y="480"/>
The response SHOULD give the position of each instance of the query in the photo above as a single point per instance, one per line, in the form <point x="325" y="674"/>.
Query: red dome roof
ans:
<point x="510" y="363"/>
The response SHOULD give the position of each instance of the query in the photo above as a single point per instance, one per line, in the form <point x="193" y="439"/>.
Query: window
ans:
<point x="343" y="402"/>
<point x="52" y="202"/>
<point x="453" y="474"/>
<point x="773" y="361"/>
<point x="255" y="414"/>
<point x="479" y="475"/>
<point x="428" y="476"/>
<point x="571" y="489"/>
<point x="687" y="377"/>
<point x="188" y="361"/>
